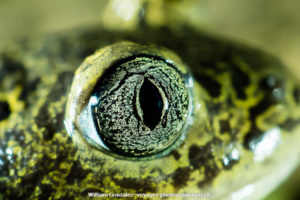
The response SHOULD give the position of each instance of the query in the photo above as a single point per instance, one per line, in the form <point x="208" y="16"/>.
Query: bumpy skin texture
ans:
<point x="240" y="94"/>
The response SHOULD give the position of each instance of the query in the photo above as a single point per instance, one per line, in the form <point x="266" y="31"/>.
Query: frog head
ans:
<point x="238" y="107"/>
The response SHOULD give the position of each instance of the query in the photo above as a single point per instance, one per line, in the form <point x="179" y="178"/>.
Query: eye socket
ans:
<point x="131" y="101"/>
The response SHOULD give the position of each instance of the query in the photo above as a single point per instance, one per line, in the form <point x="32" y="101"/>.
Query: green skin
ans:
<point x="239" y="95"/>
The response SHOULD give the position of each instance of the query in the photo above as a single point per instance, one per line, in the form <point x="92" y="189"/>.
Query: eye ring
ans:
<point x="83" y="104"/>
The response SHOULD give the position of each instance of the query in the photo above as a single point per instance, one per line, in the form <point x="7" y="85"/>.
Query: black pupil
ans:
<point x="151" y="104"/>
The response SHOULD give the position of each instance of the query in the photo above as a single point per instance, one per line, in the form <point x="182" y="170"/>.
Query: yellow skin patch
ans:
<point x="244" y="133"/>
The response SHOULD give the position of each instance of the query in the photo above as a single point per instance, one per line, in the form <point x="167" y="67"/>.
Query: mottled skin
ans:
<point x="234" y="105"/>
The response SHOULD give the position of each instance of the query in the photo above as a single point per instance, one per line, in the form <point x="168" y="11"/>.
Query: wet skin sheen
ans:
<point x="246" y="114"/>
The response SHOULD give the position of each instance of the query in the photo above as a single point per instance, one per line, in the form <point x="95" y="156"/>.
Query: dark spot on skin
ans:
<point x="290" y="124"/>
<point x="229" y="102"/>
<point x="77" y="173"/>
<point x="260" y="108"/>
<point x="4" y="110"/>
<point x="203" y="157"/>
<point x="212" y="86"/>
<point x="181" y="177"/>
<point x="214" y="108"/>
<point x="51" y="125"/>
<point x="14" y="68"/>
<point x="28" y="88"/>
<point x="296" y="94"/>
<point x="240" y="81"/>
<point x="46" y="191"/>
<point x="224" y="126"/>
<point x="198" y="155"/>
<point x="139" y="185"/>
<point x="175" y="154"/>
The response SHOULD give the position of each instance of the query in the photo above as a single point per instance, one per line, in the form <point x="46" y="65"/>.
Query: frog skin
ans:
<point x="242" y="143"/>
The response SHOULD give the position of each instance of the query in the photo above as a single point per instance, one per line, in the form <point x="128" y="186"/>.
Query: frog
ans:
<point x="241" y="121"/>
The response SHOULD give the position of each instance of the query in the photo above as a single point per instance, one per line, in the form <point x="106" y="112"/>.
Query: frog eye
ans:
<point x="131" y="101"/>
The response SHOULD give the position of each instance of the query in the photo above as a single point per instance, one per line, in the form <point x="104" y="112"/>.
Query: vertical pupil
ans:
<point x="151" y="103"/>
